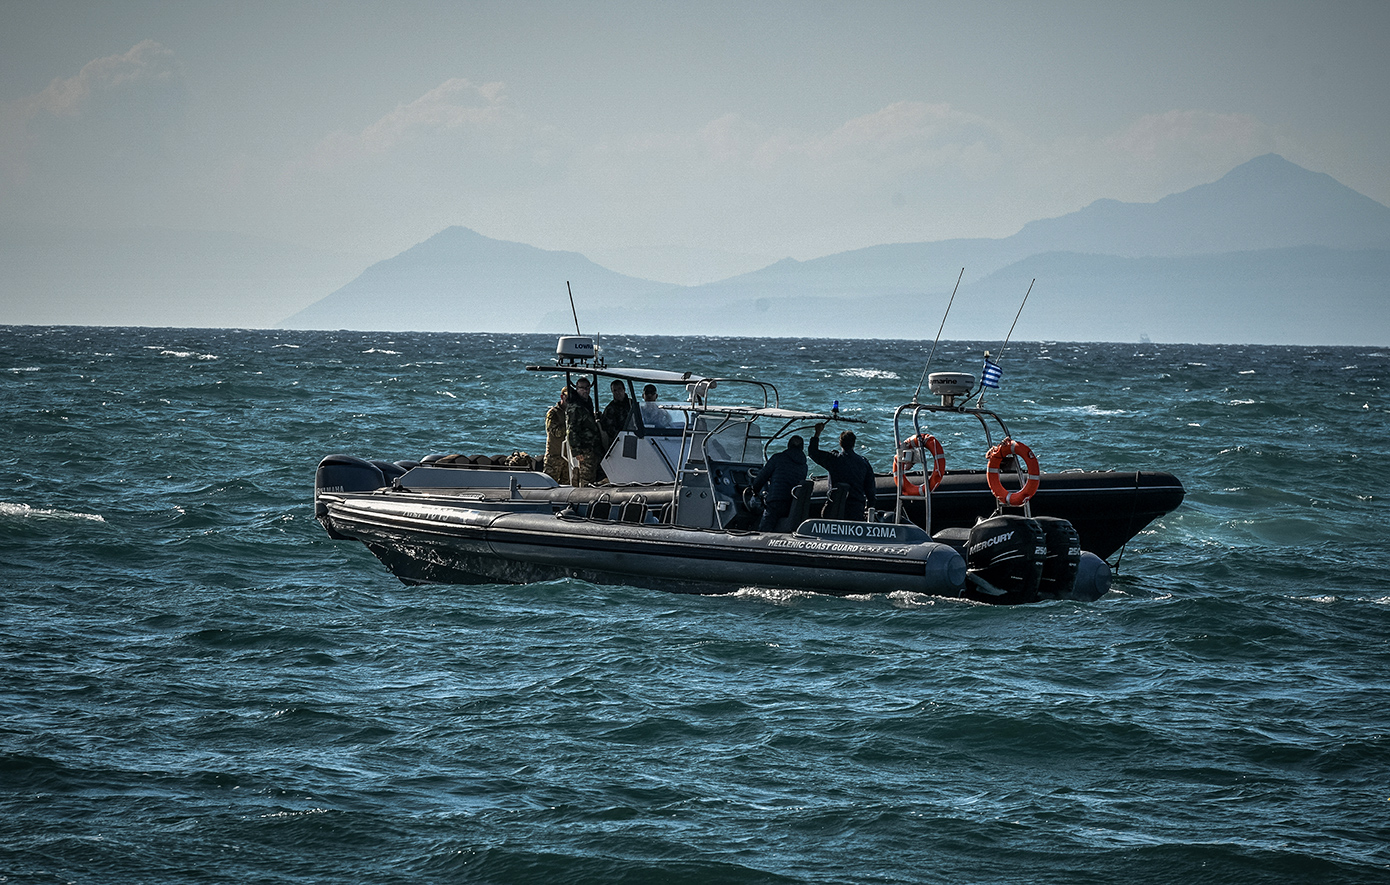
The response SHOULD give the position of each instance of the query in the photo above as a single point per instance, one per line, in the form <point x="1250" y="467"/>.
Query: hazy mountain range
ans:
<point x="1269" y="253"/>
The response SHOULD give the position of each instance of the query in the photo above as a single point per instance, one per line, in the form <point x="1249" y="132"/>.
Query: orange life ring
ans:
<point x="1030" y="479"/>
<point x="921" y="441"/>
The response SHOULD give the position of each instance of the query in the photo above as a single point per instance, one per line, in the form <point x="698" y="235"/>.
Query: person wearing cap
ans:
<point x="556" y="467"/>
<point x="847" y="467"/>
<point x="783" y="472"/>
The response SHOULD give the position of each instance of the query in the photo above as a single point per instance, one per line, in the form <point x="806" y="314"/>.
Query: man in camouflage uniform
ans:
<point x="555" y="464"/>
<point x="584" y="435"/>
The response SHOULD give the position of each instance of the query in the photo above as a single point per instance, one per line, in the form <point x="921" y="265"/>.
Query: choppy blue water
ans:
<point x="199" y="686"/>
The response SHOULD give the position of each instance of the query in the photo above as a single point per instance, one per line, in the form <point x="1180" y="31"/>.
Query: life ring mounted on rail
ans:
<point x="920" y="441"/>
<point x="1030" y="480"/>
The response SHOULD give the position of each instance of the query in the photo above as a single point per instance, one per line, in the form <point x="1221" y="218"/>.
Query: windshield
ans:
<point x="739" y="442"/>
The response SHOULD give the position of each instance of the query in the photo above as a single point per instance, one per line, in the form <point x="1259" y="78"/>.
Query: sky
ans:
<point x="667" y="139"/>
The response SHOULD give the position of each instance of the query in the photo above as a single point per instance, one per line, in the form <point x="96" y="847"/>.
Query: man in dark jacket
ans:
<point x="783" y="472"/>
<point x="615" y="413"/>
<point x="848" y="467"/>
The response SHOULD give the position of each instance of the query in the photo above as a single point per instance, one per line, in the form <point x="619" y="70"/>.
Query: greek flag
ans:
<point x="990" y="376"/>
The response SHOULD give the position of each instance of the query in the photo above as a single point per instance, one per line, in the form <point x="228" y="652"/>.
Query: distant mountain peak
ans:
<point x="1264" y="203"/>
<point x="1270" y="164"/>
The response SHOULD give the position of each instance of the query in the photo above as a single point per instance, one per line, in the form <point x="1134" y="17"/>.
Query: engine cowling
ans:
<point x="1004" y="559"/>
<point x="1063" y="558"/>
<point x="344" y="473"/>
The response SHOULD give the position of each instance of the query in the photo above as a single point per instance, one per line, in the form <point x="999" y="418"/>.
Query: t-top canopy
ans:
<point x="773" y="412"/>
<point x="636" y="376"/>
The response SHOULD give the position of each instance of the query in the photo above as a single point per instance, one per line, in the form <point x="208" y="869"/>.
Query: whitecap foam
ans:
<point x="907" y="599"/>
<point x="187" y="354"/>
<point x="773" y="595"/>
<point x="870" y="373"/>
<point x="1092" y="410"/>
<point x="10" y="510"/>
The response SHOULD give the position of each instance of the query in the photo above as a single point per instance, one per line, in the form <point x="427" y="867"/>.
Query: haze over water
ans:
<point x="201" y="686"/>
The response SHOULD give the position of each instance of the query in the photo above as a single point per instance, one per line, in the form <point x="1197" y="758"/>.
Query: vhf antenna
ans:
<point x="938" y="335"/>
<point x="1005" y="345"/>
<point x="575" y="313"/>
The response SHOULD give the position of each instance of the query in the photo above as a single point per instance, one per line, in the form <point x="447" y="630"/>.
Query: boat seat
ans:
<point x="801" y="507"/>
<point x="835" y="502"/>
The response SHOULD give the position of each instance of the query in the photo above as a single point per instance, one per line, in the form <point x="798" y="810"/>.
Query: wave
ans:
<point x="883" y="374"/>
<point x="15" y="511"/>
<point x="182" y="354"/>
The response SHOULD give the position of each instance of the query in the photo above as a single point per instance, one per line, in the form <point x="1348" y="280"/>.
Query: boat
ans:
<point x="676" y="513"/>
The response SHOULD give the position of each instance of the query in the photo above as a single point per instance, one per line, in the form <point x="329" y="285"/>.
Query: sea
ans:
<point x="198" y="685"/>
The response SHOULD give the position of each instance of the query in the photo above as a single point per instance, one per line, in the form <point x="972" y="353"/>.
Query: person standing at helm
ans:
<point x="847" y="467"/>
<point x="783" y="472"/>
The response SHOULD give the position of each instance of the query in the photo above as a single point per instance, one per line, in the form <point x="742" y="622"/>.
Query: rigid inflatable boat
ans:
<point x="676" y="512"/>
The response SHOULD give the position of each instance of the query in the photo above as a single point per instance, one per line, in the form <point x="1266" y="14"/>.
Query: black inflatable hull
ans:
<point x="425" y="542"/>
<point x="1107" y="508"/>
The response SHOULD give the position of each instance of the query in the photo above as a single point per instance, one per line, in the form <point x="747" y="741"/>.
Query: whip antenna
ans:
<point x="938" y="335"/>
<point x="576" y="313"/>
<point x="990" y="376"/>
<point x="1016" y="316"/>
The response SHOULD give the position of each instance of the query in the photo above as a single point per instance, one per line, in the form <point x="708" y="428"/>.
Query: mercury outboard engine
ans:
<point x="1063" y="557"/>
<point x="1070" y="572"/>
<point x="1004" y="560"/>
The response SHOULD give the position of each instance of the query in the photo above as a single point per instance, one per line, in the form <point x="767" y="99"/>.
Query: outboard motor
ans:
<point x="1063" y="557"/>
<point x="1004" y="558"/>
<point x="344" y="473"/>
<point x="390" y="471"/>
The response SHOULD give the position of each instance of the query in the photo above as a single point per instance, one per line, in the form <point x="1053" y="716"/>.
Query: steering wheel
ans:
<point x="751" y="502"/>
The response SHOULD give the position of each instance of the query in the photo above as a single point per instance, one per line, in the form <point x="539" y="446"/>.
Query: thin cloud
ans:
<point x="104" y="122"/>
<point x="457" y="111"/>
<point x="452" y="106"/>
<point x="146" y="63"/>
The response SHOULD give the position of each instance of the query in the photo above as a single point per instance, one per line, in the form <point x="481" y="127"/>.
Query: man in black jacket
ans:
<point x="783" y="472"/>
<point x="847" y="467"/>
<point x="615" y="413"/>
